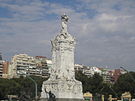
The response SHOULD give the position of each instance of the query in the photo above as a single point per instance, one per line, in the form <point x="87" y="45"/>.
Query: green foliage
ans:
<point x="125" y="83"/>
<point x="92" y="84"/>
<point x="84" y="79"/>
<point x="20" y="86"/>
<point x="23" y="86"/>
<point x="95" y="84"/>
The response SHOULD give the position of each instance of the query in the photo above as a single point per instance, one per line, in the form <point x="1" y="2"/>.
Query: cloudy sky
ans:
<point x="104" y="29"/>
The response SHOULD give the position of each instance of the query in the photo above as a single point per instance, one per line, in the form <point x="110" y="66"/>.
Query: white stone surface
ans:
<point x="62" y="81"/>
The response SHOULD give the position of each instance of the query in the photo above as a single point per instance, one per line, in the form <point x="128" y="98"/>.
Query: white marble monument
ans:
<point x="62" y="82"/>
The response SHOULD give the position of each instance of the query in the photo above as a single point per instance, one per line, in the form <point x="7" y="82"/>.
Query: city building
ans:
<point x="49" y="63"/>
<point x="78" y="67"/>
<point x="0" y="56"/>
<point x="109" y="76"/>
<point x="115" y="74"/>
<point x="22" y="64"/>
<point x="5" y="69"/>
<point x="43" y="64"/>
<point x="106" y="75"/>
<point x="90" y="71"/>
<point x="1" y="66"/>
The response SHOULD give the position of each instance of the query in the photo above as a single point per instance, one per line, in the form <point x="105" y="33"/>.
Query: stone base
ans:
<point x="63" y="89"/>
<point x="62" y="99"/>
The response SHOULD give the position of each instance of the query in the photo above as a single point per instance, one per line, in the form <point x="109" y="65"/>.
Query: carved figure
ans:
<point x="62" y="82"/>
<point x="51" y="96"/>
<point x="64" y="19"/>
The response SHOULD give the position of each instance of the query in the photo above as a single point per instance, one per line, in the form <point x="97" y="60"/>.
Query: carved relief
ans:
<point x="62" y="80"/>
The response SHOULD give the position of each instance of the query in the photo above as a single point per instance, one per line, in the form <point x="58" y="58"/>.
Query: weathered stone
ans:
<point x="62" y="81"/>
<point x="61" y="99"/>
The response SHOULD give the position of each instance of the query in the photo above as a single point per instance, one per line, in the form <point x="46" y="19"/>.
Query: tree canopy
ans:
<point x="23" y="86"/>
<point x="126" y="83"/>
<point x="95" y="84"/>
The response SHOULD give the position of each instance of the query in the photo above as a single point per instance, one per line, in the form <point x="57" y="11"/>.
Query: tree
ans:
<point x="84" y="79"/>
<point x="92" y="84"/>
<point x="96" y="83"/>
<point x="23" y="87"/>
<point x="125" y="83"/>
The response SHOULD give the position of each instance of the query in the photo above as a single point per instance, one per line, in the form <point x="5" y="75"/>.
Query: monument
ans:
<point x="62" y="82"/>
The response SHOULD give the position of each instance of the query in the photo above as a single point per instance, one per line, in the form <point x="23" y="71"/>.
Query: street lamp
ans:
<point x="35" y="86"/>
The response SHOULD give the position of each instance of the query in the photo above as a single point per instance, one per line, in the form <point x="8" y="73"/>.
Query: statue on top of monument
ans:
<point x="64" y="20"/>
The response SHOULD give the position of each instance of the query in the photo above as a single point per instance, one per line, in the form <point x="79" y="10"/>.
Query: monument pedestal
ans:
<point x="62" y="99"/>
<point x="64" y="90"/>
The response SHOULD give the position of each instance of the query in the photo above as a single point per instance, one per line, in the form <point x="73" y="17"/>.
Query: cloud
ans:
<point x="104" y="29"/>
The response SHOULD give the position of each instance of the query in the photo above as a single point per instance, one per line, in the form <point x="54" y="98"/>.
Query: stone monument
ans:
<point x="62" y="82"/>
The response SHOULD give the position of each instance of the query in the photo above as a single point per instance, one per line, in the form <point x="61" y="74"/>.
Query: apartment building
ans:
<point x="43" y="64"/>
<point x="1" y="66"/>
<point x="115" y="74"/>
<point x="78" y="67"/>
<point x="21" y="64"/>
<point x="5" y="69"/>
<point x="90" y="71"/>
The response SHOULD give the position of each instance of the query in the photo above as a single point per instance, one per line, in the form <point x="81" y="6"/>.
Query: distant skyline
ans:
<point x="104" y="29"/>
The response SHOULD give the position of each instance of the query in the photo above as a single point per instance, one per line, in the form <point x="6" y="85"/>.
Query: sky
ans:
<point x="104" y="29"/>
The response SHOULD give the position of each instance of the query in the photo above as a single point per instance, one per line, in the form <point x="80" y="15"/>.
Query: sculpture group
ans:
<point x="62" y="82"/>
